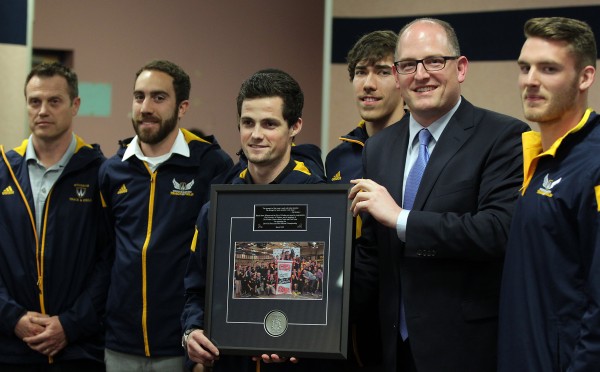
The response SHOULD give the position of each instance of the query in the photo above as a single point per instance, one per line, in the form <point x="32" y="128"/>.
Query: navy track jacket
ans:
<point x="153" y="215"/>
<point x="63" y="272"/>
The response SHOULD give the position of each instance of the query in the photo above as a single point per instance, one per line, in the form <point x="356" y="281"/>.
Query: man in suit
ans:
<point x="437" y="259"/>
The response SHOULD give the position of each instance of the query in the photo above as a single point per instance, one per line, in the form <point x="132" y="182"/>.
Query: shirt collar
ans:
<point x="532" y="148"/>
<point x="31" y="155"/>
<point x="284" y="173"/>
<point x="180" y="147"/>
<point x="436" y="128"/>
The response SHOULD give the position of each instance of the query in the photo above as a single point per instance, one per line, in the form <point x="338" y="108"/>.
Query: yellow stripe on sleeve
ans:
<point x="358" y="227"/>
<point x="195" y="239"/>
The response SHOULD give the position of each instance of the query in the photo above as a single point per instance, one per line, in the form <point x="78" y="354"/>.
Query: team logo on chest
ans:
<point x="547" y="186"/>
<point x="80" y="193"/>
<point x="182" y="188"/>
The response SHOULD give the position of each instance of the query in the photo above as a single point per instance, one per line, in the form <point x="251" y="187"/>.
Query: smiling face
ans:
<point x="378" y="100"/>
<point x="155" y="113"/>
<point x="49" y="108"/>
<point x="265" y="136"/>
<point x="429" y="94"/>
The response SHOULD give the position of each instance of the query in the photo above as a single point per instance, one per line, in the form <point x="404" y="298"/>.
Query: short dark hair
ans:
<point x="450" y="33"/>
<point x="181" y="80"/>
<point x="576" y="33"/>
<point x="50" y="69"/>
<point x="371" y="47"/>
<point x="274" y="83"/>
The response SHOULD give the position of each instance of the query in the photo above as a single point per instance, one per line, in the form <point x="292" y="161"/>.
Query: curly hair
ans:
<point x="371" y="48"/>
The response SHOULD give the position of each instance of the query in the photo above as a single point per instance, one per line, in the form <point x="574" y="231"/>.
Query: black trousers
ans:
<point x="65" y="366"/>
<point x="404" y="358"/>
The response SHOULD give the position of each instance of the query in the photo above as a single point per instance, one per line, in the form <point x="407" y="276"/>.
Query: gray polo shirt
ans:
<point x="42" y="179"/>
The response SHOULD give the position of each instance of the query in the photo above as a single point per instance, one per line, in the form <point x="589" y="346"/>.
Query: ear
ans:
<point x="586" y="78"/>
<point x="462" y="65"/>
<point x="296" y="128"/>
<point x="75" y="106"/>
<point x="183" y="106"/>
<point x="396" y="77"/>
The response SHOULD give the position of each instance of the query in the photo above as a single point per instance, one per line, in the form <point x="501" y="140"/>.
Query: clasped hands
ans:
<point x="41" y="332"/>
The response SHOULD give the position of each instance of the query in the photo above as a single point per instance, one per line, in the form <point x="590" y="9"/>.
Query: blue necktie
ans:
<point x="410" y="191"/>
<point x="416" y="172"/>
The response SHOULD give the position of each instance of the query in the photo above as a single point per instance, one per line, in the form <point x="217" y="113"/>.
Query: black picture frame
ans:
<point x="307" y="225"/>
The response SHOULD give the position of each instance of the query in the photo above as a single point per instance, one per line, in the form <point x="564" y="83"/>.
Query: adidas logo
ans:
<point x="337" y="177"/>
<point x="8" y="191"/>
<point x="122" y="190"/>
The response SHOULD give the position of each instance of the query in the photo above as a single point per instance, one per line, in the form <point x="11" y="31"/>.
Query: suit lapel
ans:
<point x="398" y="154"/>
<point x="457" y="132"/>
<point x="394" y="179"/>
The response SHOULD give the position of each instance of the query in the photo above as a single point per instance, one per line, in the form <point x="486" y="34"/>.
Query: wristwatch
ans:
<point x="184" y="339"/>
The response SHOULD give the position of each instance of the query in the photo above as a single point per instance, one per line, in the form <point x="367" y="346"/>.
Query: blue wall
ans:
<point x="13" y="22"/>
<point x="484" y="36"/>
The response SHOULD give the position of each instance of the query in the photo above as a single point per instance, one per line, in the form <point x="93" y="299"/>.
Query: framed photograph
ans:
<point x="279" y="270"/>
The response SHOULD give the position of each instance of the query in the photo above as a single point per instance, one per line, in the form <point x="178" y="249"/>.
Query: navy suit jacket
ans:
<point x="449" y="269"/>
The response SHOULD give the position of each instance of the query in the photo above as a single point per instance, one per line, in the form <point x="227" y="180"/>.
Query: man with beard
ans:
<point x="549" y="316"/>
<point x="154" y="187"/>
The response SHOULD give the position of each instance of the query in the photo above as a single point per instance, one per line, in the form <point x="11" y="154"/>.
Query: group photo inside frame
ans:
<point x="279" y="270"/>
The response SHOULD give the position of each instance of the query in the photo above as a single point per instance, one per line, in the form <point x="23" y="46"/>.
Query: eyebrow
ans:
<point x="377" y="66"/>
<point x="542" y="62"/>
<point x="41" y="97"/>
<point x="437" y="55"/>
<point x="152" y="93"/>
